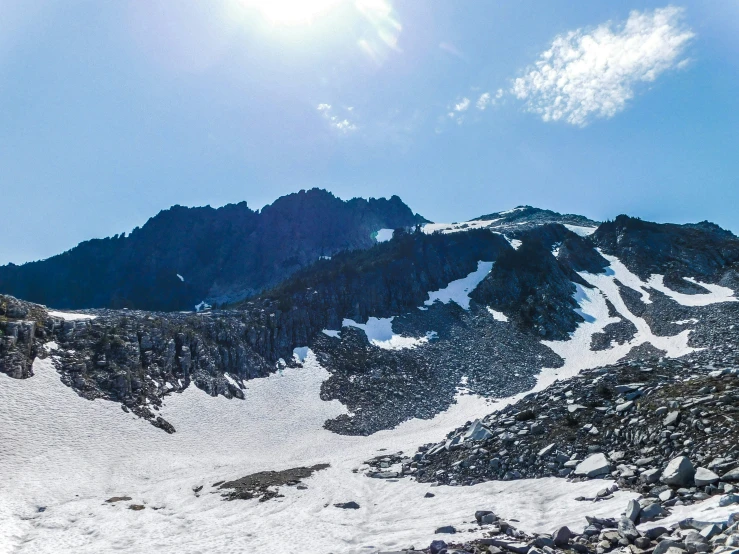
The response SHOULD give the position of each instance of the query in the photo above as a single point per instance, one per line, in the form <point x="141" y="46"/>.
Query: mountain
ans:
<point x="435" y="386"/>
<point x="184" y="256"/>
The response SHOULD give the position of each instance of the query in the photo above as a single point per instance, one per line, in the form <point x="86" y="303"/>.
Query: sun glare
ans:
<point x="291" y="12"/>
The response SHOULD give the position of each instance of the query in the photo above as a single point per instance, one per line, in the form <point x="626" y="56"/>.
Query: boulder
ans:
<point x="477" y="432"/>
<point x="593" y="466"/>
<point x="672" y="418"/>
<point x="627" y="529"/>
<point x="732" y="475"/>
<point x="632" y="510"/>
<point x="704" y="477"/>
<point x="679" y="472"/>
<point x="561" y="536"/>
<point x="664" y="546"/>
<point x="437" y="546"/>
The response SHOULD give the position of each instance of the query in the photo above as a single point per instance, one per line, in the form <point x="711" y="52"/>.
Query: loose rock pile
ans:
<point x="623" y="422"/>
<point x="598" y="537"/>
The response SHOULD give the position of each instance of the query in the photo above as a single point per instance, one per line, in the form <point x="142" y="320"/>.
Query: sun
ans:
<point x="291" y="12"/>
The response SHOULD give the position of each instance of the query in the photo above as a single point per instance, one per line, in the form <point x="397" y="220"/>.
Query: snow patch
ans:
<point x="716" y="293"/>
<point x="379" y="331"/>
<point x="301" y="353"/>
<point x="581" y="230"/>
<point x="331" y="333"/>
<point x="180" y="277"/>
<point x="686" y="321"/>
<point x="497" y="316"/>
<point x="459" y="291"/>
<point x="447" y="228"/>
<point x="71" y="317"/>
<point x="515" y="243"/>
<point x="513" y="210"/>
<point x="384" y="235"/>
<point x="202" y="306"/>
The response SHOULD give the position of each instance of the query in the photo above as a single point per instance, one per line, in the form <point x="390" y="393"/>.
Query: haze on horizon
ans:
<point x="115" y="111"/>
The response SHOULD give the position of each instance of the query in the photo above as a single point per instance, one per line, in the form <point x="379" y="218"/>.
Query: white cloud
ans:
<point x="462" y="105"/>
<point x="341" y="124"/>
<point x="587" y="74"/>
<point x="483" y="101"/>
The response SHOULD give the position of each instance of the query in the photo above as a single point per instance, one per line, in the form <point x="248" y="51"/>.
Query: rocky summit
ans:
<point x="595" y="359"/>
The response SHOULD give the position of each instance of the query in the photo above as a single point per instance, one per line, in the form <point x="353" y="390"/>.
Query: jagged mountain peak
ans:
<point x="183" y="256"/>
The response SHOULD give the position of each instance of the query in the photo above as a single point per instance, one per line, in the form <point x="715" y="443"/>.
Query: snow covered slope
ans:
<point x="63" y="456"/>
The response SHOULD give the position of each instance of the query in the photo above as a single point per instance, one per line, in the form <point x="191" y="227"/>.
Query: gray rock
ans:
<point x="652" y="511"/>
<point x="593" y="466"/>
<point x="705" y="477"/>
<point x="732" y="475"/>
<point x="679" y="472"/>
<point x="561" y="536"/>
<point x="437" y="546"/>
<point x="694" y="542"/>
<point x="546" y="450"/>
<point x="728" y="500"/>
<point x="711" y="531"/>
<point x="665" y="545"/>
<point x="655" y="532"/>
<point x="632" y="510"/>
<point x="627" y="529"/>
<point x="672" y="418"/>
<point x="650" y="476"/>
<point x="477" y="432"/>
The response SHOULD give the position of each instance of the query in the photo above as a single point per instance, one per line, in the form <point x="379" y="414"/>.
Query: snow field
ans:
<point x="69" y="455"/>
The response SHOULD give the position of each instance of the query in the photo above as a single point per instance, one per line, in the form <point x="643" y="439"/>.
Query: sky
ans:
<point x="113" y="111"/>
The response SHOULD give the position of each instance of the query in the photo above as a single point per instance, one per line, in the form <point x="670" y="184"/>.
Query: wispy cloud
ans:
<point x="341" y="124"/>
<point x="587" y="74"/>
<point x="487" y="99"/>
<point x="462" y="105"/>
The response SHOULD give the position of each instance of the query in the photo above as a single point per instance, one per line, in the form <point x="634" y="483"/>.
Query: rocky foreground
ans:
<point x="664" y="430"/>
<point x="689" y="536"/>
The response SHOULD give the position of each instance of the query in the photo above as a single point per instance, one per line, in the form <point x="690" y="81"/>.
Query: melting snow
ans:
<point x="379" y="331"/>
<point x="513" y="210"/>
<point x="301" y="353"/>
<point x="70" y="317"/>
<point x="459" y="291"/>
<point x="580" y="230"/>
<point x="716" y="293"/>
<point x="497" y="316"/>
<point x="576" y="351"/>
<point x="447" y="228"/>
<point x="384" y="235"/>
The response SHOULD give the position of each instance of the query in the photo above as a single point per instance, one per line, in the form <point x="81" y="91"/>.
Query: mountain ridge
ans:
<point x="183" y="256"/>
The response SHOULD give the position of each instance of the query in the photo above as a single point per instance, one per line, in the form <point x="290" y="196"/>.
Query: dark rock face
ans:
<point x="703" y="251"/>
<point x="533" y="289"/>
<point x="222" y="254"/>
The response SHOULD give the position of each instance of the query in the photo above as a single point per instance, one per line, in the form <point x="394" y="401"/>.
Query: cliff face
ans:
<point x="183" y="256"/>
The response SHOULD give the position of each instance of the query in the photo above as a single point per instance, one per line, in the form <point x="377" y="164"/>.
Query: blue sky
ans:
<point x="112" y="111"/>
